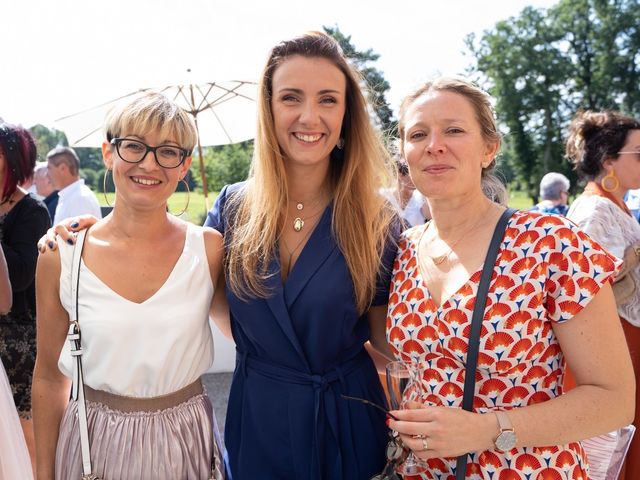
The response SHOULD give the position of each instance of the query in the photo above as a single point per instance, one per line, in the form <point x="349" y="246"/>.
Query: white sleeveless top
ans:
<point x="147" y="349"/>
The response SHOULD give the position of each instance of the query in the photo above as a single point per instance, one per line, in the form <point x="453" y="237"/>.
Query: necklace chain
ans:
<point x="439" y="259"/>
<point x="291" y="253"/>
<point x="299" y="220"/>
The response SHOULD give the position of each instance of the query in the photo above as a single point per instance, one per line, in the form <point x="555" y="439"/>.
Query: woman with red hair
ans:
<point x="23" y="220"/>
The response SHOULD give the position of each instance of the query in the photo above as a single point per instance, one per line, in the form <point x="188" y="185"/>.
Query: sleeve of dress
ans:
<point x="383" y="282"/>
<point x="599" y="227"/>
<point x="22" y="253"/>
<point x="577" y="268"/>
<point x="215" y="217"/>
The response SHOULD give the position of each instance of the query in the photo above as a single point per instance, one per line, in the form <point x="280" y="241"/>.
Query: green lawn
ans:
<point x="195" y="212"/>
<point x="519" y="200"/>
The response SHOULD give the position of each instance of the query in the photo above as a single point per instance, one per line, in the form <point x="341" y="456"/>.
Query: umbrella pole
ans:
<point x="203" y="177"/>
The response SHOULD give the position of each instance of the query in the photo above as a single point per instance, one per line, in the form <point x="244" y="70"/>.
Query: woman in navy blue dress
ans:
<point x="309" y="251"/>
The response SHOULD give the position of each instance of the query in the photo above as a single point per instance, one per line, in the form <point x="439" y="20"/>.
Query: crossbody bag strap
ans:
<point x="73" y="335"/>
<point x="476" y="325"/>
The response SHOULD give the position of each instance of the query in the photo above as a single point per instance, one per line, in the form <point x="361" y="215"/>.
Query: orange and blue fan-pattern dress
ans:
<point x="547" y="271"/>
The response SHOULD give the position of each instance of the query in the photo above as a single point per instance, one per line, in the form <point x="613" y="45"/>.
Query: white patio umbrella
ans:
<point x="224" y="112"/>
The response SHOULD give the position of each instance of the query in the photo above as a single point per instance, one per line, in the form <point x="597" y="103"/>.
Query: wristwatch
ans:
<point x="507" y="439"/>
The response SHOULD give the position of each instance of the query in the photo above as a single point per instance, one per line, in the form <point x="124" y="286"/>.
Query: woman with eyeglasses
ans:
<point x="605" y="150"/>
<point x="145" y="288"/>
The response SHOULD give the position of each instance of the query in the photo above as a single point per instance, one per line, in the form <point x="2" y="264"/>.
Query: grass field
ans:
<point x="197" y="210"/>
<point x="519" y="200"/>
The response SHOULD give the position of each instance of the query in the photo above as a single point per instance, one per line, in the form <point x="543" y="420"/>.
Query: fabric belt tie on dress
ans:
<point x="322" y="401"/>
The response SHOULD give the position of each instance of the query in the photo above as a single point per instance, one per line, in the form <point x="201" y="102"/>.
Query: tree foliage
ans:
<point x="223" y="164"/>
<point x="544" y="65"/>
<point x="46" y="139"/>
<point x="376" y="85"/>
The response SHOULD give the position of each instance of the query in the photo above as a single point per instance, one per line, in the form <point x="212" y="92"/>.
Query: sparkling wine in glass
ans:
<point x="404" y="382"/>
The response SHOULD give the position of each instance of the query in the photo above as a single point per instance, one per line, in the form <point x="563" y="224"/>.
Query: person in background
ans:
<point x="411" y="205"/>
<point x="23" y="220"/>
<point x="14" y="460"/>
<point x="604" y="148"/>
<point x="145" y="335"/>
<point x="549" y="299"/>
<point x="632" y="200"/>
<point x="44" y="188"/>
<point x="75" y="198"/>
<point x="554" y="194"/>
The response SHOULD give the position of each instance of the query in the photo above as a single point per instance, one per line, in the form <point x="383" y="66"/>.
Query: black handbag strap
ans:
<point x="476" y="325"/>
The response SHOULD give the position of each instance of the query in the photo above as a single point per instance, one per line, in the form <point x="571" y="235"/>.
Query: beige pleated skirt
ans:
<point x="171" y="437"/>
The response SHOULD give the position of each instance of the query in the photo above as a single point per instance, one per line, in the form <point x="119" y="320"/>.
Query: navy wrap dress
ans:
<point x="297" y="352"/>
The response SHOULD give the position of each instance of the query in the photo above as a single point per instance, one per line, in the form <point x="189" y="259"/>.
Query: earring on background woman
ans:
<point x="612" y="177"/>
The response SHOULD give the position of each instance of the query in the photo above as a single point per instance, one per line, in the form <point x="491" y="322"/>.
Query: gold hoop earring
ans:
<point x="104" y="187"/>
<point x="186" y="186"/>
<point x="610" y="176"/>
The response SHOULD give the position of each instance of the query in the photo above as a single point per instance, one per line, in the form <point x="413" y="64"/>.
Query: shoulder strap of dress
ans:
<point x="476" y="324"/>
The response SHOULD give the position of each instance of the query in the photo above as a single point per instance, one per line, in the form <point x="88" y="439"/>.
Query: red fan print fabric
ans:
<point x="547" y="271"/>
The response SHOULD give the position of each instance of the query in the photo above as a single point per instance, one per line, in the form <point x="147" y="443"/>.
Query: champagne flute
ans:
<point x="404" y="382"/>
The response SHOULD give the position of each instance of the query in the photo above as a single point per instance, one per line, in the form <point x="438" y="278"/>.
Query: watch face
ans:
<point x="506" y="440"/>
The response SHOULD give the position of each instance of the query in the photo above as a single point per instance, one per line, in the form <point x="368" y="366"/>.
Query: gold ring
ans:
<point x="425" y="446"/>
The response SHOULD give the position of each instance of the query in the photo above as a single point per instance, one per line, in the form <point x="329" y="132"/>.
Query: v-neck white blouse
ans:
<point x="143" y="349"/>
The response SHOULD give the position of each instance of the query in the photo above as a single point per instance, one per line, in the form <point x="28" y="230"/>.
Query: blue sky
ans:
<point x="63" y="56"/>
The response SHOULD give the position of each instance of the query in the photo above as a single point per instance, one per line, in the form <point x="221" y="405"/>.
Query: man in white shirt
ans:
<point x="75" y="198"/>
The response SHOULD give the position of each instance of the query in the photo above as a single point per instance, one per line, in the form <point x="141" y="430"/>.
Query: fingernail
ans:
<point x="50" y="244"/>
<point x="69" y="241"/>
<point x="74" y="225"/>
<point x="387" y="421"/>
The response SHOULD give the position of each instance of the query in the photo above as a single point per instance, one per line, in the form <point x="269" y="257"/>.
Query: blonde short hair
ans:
<point x="151" y="112"/>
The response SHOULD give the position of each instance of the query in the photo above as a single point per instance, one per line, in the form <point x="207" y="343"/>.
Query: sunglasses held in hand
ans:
<point x="395" y="452"/>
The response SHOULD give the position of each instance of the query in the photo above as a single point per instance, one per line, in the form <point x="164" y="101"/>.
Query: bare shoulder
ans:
<point x="212" y="238"/>
<point x="214" y="246"/>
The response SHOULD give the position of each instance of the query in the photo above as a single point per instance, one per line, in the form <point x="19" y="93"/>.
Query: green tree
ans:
<point x="544" y="65"/>
<point x="47" y="139"/>
<point x="223" y="165"/>
<point x="376" y="84"/>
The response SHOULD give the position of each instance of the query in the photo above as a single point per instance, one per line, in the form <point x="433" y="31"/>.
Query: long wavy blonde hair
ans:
<point x="361" y="217"/>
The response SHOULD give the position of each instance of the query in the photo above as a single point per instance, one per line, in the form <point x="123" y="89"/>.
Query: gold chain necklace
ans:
<point x="298" y="221"/>
<point x="439" y="259"/>
<point x="291" y="253"/>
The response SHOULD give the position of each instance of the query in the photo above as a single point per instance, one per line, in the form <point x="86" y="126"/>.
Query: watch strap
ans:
<point x="503" y="421"/>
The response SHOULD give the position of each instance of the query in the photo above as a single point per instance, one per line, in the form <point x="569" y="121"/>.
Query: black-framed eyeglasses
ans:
<point x="395" y="451"/>
<point x="134" y="151"/>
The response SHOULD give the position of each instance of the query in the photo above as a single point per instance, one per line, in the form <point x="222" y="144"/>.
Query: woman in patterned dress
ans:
<point x="605" y="149"/>
<point x="549" y="299"/>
